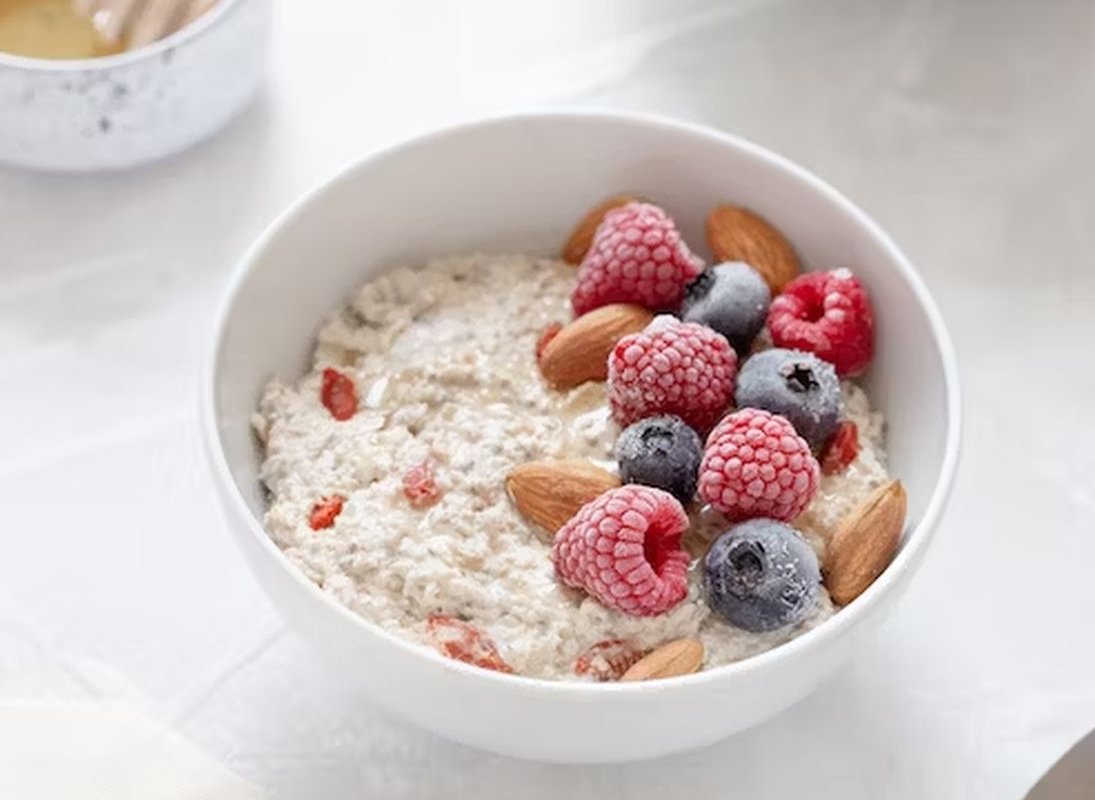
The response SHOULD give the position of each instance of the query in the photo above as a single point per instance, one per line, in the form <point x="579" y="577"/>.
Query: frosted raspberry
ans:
<point x="841" y="450"/>
<point x="672" y="367"/>
<point x="827" y="314"/>
<point x="755" y="465"/>
<point x="420" y="485"/>
<point x="464" y="642"/>
<point x="338" y="394"/>
<point x="608" y="660"/>
<point x="325" y="512"/>
<point x="624" y="549"/>
<point x="637" y="256"/>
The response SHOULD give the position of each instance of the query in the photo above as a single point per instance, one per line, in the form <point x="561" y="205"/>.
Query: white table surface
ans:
<point x="966" y="128"/>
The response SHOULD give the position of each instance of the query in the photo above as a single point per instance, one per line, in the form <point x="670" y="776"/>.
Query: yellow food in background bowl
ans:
<point x="51" y="29"/>
<point x="93" y="109"/>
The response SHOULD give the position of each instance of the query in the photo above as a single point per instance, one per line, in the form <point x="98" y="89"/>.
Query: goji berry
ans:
<point x="841" y="450"/>
<point x="325" y="511"/>
<point x="338" y="394"/>
<point x="420" y="485"/>
<point x="463" y="641"/>
<point x="608" y="660"/>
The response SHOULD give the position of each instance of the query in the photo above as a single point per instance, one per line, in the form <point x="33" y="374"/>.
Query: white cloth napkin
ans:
<point x="104" y="751"/>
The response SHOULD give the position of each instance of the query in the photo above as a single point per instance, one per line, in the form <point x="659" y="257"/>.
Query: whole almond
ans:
<point x="581" y="238"/>
<point x="549" y="493"/>
<point x="737" y="234"/>
<point x="579" y="352"/>
<point x="865" y="543"/>
<point x="681" y="657"/>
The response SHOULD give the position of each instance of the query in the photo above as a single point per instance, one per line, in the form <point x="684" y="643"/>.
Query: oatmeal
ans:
<point x="443" y="360"/>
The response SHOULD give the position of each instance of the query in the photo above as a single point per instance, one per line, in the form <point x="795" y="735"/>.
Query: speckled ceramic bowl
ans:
<point x="127" y="109"/>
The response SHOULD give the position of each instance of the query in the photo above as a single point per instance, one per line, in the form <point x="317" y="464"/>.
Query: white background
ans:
<point x="965" y="128"/>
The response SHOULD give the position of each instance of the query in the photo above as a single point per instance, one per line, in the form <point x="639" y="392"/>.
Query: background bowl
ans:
<point x="126" y="109"/>
<point x="519" y="184"/>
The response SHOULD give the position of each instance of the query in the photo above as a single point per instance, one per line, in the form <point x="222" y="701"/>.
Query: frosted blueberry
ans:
<point x="761" y="575"/>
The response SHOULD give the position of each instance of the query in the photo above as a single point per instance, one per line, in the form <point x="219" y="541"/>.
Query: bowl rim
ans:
<point x="915" y="542"/>
<point x="180" y="37"/>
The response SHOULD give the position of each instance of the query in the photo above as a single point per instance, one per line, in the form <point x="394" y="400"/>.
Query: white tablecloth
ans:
<point x="965" y="127"/>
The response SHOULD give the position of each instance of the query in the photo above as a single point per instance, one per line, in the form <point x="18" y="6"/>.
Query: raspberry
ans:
<point x="550" y="332"/>
<point x="608" y="660"/>
<point x="325" y="511"/>
<point x="338" y="394"/>
<point x="624" y="549"/>
<point x="755" y="465"/>
<point x="420" y="485"/>
<point x="827" y="314"/>
<point x="637" y="256"/>
<point x="672" y="367"/>
<point x="842" y="449"/>
<point x="463" y="641"/>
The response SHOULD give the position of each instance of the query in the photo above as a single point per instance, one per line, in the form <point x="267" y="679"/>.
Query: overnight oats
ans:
<point x="617" y="465"/>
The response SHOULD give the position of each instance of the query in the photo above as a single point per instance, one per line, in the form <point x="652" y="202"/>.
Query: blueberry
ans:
<point x="796" y="385"/>
<point x="761" y="575"/>
<point x="731" y="298"/>
<point x="662" y="452"/>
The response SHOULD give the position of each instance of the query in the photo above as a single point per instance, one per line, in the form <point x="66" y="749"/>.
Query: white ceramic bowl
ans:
<point x="518" y="184"/>
<point x="130" y="108"/>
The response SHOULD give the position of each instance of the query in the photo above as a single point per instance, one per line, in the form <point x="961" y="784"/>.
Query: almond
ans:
<point x="549" y="493"/>
<point x="578" y="244"/>
<point x="579" y="352"/>
<point x="682" y="657"/>
<point x="865" y="543"/>
<point x="737" y="234"/>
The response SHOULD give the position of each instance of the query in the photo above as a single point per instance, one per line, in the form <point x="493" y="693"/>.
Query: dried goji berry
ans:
<point x="324" y="512"/>
<point x="420" y="485"/>
<point x="608" y="660"/>
<point x="463" y="641"/>
<point x="338" y="394"/>
<point x="841" y="450"/>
